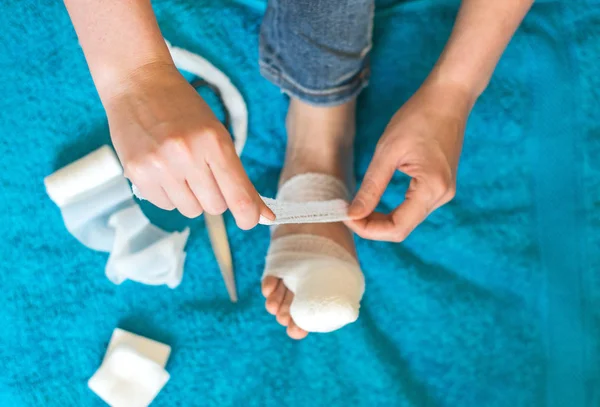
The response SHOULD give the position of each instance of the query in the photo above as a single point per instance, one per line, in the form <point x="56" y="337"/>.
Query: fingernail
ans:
<point x="269" y="214"/>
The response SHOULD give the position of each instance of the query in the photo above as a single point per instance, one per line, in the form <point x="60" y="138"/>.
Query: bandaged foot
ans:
<point x="312" y="280"/>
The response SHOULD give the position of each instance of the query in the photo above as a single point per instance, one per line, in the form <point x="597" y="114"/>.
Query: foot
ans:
<point x="320" y="140"/>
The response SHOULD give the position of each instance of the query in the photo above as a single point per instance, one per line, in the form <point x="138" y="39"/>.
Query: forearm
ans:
<point x="118" y="37"/>
<point x="482" y="31"/>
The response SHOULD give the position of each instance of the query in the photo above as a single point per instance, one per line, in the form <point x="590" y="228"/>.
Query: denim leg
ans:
<point x="317" y="50"/>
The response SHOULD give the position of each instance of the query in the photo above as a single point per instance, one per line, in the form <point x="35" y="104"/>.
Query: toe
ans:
<point x="269" y="284"/>
<point x="283" y="315"/>
<point x="295" y="332"/>
<point x="274" y="300"/>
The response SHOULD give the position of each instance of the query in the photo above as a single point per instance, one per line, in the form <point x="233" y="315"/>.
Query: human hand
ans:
<point x="175" y="150"/>
<point x="423" y="140"/>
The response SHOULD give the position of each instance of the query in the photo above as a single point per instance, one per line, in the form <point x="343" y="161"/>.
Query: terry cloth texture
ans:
<point x="493" y="301"/>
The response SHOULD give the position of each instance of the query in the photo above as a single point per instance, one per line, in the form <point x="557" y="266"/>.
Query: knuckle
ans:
<point x="139" y="167"/>
<point x="217" y="145"/>
<point x="132" y="169"/>
<point x="441" y="183"/>
<point x="211" y="133"/>
<point x="153" y="160"/>
<point x="212" y="137"/>
<point x="451" y="193"/>
<point x="174" y="145"/>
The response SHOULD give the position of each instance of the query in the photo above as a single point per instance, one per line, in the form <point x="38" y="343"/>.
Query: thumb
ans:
<point x="376" y="180"/>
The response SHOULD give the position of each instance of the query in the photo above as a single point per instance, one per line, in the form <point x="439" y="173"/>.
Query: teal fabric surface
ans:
<point x="493" y="301"/>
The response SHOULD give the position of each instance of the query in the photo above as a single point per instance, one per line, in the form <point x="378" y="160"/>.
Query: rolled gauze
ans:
<point x="78" y="179"/>
<point x="88" y="191"/>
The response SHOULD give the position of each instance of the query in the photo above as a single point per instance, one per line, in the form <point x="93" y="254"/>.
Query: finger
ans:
<point x="295" y="332"/>
<point x="242" y="199"/>
<point x="283" y="315"/>
<point x="196" y="173"/>
<point x="205" y="188"/>
<point x="396" y="226"/>
<point x="154" y="194"/>
<point x="149" y="186"/>
<point x="275" y="299"/>
<point x="182" y="197"/>
<point x="378" y="176"/>
<point x="268" y="285"/>
<point x="376" y="226"/>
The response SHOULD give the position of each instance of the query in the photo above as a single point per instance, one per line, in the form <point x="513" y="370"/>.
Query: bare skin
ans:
<point x="171" y="145"/>
<point x="320" y="140"/>
<point x="178" y="154"/>
<point x="424" y="138"/>
<point x="183" y="158"/>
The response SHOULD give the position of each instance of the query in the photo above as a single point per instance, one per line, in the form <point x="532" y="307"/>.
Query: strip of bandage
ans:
<point x="309" y="198"/>
<point x="325" y="278"/>
<point x="324" y="199"/>
<point x="98" y="209"/>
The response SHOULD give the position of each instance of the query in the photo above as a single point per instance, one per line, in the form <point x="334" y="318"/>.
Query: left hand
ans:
<point x="423" y="140"/>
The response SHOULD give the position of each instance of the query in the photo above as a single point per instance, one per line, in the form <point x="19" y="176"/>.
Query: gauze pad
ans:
<point x="326" y="280"/>
<point x="132" y="373"/>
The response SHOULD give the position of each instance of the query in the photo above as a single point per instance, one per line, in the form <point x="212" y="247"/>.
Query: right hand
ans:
<point x="175" y="150"/>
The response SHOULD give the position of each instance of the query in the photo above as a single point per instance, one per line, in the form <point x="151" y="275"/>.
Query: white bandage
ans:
<point x="305" y="198"/>
<point x="88" y="191"/>
<point x="98" y="209"/>
<point x="144" y="253"/>
<point x="309" y="198"/>
<point x="326" y="280"/>
<point x="132" y="372"/>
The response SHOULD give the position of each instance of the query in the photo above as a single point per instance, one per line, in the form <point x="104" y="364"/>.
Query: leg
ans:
<point x="317" y="52"/>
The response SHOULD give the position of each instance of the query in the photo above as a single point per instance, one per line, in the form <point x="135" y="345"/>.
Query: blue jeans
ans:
<point x="317" y="50"/>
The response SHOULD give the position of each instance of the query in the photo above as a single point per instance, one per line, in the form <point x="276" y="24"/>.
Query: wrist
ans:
<point x="112" y="76"/>
<point x="447" y="97"/>
<point x="461" y="72"/>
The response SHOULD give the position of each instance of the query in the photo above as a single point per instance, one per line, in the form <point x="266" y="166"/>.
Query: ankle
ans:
<point x="320" y="139"/>
<point x="322" y="127"/>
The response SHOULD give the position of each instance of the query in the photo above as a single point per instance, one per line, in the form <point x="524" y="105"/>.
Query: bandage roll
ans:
<point x="76" y="180"/>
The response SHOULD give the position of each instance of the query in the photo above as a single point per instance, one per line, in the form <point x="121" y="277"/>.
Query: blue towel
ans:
<point x="493" y="301"/>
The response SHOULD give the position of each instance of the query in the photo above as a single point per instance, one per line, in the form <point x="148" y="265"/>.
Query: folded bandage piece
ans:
<point x="98" y="209"/>
<point x="144" y="253"/>
<point x="133" y="371"/>
<point x="325" y="278"/>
